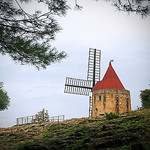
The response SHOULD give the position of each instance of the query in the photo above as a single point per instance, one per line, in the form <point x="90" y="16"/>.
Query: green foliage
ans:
<point x="145" y="98"/>
<point x="30" y="145"/>
<point x="4" y="99"/>
<point x="111" y="116"/>
<point x="24" y="144"/>
<point x="41" y="116"/>
<point x="135" y="146"/>
<point x="26" y="37"/>
<point x="141" y="7"/>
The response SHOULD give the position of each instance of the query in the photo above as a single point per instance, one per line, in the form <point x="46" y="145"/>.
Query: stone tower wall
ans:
<point x="110" y="100"/>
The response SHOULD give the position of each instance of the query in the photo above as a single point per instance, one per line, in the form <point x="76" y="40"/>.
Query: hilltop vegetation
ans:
<point x="129" y="131"/>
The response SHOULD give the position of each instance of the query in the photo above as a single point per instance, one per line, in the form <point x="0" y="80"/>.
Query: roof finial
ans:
<point x="111" y="61"/>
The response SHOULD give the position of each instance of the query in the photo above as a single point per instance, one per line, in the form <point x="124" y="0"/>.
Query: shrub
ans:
<point x="111" y="116"/>
<point x="145" y="98"/>
<point x="41" y="116"/>
<point x="4" y="99"/>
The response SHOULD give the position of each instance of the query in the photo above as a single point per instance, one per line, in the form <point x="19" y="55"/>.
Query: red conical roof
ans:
<point x="109" y="81"/>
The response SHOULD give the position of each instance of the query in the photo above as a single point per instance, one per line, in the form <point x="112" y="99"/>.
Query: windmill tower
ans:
<point x="108" y="95"/>
<point x="84" y="87"/>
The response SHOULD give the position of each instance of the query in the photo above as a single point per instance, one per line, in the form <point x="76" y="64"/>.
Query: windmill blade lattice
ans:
<point x="84" y="87"/>
<point x="78" y="86"/>
<point x="94" y="65"/>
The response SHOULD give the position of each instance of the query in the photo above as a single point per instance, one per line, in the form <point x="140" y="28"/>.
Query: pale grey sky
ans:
<point x="122" y="37"/>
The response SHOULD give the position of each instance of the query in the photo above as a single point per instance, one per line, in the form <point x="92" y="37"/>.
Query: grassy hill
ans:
<point x="128" y="132"/>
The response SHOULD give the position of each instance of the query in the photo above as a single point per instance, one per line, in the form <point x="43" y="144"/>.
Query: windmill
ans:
<point x="84" y="87"/>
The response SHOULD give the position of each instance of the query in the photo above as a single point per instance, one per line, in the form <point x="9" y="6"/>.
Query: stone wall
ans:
<point x="110" y="100"/>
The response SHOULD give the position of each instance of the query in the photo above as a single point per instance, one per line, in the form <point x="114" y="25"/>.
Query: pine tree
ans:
<point x="141" y="7"/>
<point x="26" y="37"/>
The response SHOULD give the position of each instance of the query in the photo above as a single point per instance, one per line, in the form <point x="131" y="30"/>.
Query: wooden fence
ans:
<point x="30" y="119"/>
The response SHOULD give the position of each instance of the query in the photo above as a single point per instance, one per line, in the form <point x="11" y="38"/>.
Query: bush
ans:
<point x="41" y="116"/>
<point x="145" y="98"/>
<point x="111" y="116"/>
<point x="4" y="99"/>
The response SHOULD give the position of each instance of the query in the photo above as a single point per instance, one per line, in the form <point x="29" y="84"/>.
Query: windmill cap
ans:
<point x="109" y="81"/>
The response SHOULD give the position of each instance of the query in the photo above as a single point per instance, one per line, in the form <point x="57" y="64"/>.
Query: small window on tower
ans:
<point x="99" y="98"/>
<point x="94" y="99"/>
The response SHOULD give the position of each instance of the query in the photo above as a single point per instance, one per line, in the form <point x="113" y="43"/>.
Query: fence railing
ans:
<point x="57" y="118"/>
<point x="31" y="119"/>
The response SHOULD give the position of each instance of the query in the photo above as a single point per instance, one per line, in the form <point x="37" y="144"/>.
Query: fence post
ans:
<point x="32" y="119"/>
<point x="17" y="121"/>
<point x="27" y="120"/>
<point x="22" y="120"/>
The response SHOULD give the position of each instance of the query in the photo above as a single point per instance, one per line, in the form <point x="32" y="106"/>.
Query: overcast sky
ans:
<point x="121" y="37"/>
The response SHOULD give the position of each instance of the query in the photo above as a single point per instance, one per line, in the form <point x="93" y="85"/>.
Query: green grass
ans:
<point x="96" y="134"/>
<point x="128" y="132"/>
